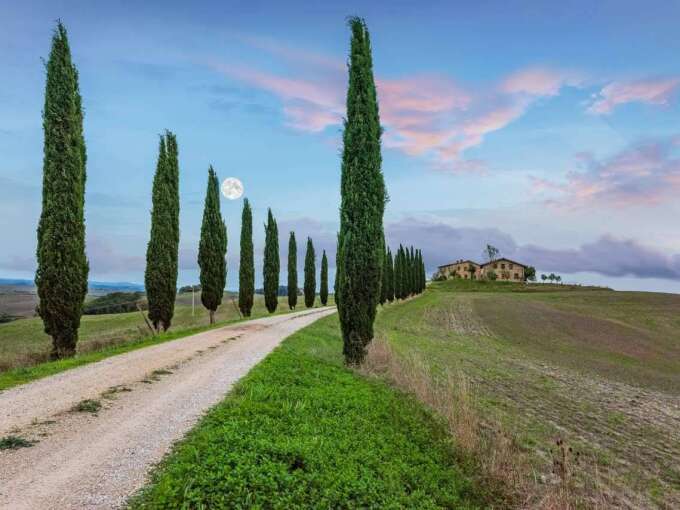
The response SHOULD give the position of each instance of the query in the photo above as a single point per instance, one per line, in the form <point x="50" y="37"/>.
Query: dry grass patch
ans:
<point x="570" y="480"/>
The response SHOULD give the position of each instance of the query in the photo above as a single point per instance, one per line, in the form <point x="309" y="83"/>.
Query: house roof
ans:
<point x="506" y="260"/>
<point x="460" y="262"/>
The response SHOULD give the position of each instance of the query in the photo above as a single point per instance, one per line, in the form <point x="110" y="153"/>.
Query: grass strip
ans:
<point x="302" y="431"/>
<point x="23" y="375"/>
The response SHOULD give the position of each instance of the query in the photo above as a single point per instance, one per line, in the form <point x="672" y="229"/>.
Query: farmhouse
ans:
<point x="503" y="269"/>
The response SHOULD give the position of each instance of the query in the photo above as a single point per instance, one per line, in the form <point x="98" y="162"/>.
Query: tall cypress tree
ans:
<point x="310" y="274"/>
<point x="292" y="272"/>
<point x="272" y="263"/>
<point x="390" y="276"/>
<point x="61" y="276"/>
<point x="246" y="270"/>
<point x="323" y="289"/>
<point x="363" y="197"/>
<point x="160" y="277"/>
<point x="212" y="248"/>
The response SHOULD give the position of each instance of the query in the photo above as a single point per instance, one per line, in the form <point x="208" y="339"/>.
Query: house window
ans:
<point x="516" y="276"/>
<point x="495" y="266"/>
<point x="502" y="266"/>
<point x="510" y="266"/>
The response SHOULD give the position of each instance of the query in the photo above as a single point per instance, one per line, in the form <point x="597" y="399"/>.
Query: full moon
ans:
<point x="232" y="188"/>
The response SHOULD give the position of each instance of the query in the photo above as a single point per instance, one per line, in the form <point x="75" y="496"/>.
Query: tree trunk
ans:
<point x="212" y="316"/>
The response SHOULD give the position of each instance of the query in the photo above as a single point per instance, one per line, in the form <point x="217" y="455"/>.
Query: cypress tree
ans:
<point x="416" y="272"/>
<point x="408" y="273"/>
<point x="384" y="284"/>
<point x="336" y="289"/>
<point x="160" y="276"/>
<point x="246" y="270"/>
<point x="292" y="272"/>
<point x="61" y="276"/>
<point x="310" y="274"/>
<point x="390" y="276"/>
<point x="363" y="198"/>
<point x="423" y="273"/>
<point x="323" y="290"/>
<point x="399" y="273"/>
<point x="272" y="263"/>
<point x="412" y="272"/>
<point x="212" y="248"/>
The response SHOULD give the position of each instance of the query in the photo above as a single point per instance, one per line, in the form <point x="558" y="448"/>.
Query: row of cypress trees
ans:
<point x="309" y="288"/>
<point x="272" y="269"/>
<point x="63" y="269"/>
<point x="403" y="276"/>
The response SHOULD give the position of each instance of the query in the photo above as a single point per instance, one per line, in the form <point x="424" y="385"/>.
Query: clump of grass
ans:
<point x="160" y="372"/>
<point x="87" y="406"/>
<point x="113" y="390"/>
<point x="15" y="442"/>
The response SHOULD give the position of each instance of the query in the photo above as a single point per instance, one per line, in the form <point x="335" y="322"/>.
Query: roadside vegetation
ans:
<point x="25" y="348"/>
<point x="301" y="430"/>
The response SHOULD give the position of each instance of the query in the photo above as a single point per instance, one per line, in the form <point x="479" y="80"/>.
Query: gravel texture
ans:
<point x="85" y="460"/>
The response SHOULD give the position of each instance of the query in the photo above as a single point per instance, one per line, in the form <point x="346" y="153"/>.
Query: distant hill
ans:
<point x="283" y="291"/>
<point x="93" y="285"/>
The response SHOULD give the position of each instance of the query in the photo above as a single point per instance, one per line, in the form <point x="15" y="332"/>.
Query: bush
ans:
<point x="115" y="302"/>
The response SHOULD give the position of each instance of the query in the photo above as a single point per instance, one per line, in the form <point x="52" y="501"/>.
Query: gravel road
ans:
<point x="150" y="398"/>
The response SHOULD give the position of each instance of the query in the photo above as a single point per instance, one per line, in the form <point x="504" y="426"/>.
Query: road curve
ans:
<point x="83" y="460"/>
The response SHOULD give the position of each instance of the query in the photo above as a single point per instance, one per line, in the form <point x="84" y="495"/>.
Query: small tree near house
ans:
<point x="491" y="252"/>
<point x="530" y="274"/>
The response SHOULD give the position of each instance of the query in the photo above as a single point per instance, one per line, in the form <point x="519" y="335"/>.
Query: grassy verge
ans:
<point x="25" y="374"/>
<point x="303" y="431"/>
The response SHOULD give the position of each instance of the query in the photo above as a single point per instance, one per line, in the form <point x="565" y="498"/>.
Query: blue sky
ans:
<point x="549" y="130"/>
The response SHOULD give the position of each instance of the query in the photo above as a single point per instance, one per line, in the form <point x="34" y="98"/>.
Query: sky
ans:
<point x="550" y="130"/>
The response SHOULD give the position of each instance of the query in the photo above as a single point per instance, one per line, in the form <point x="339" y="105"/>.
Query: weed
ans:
<point x="113" y="390"/>
<point x="160" y="372"/>
<point x="15" y="442"/>
<point x="87" y="406"/>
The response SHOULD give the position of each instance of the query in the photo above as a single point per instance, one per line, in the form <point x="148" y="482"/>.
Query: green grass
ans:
<point x="302" y="431"/>
<point x="15" y="442"/>
<point x="23" y="344"/>
<point x="596" y="367"/>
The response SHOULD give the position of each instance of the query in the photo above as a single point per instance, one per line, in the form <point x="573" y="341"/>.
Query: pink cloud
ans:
<point x="646" y="173"/>
<point x="537" y="82"/>
<point x="650" y="91"/>
<point x="424" y="115"/>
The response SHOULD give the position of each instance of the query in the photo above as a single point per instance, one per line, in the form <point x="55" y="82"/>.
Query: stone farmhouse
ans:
<point x="504" y="269"/>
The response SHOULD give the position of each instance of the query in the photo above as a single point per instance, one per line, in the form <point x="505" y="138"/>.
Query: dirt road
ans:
<point x="150" y="398"/>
